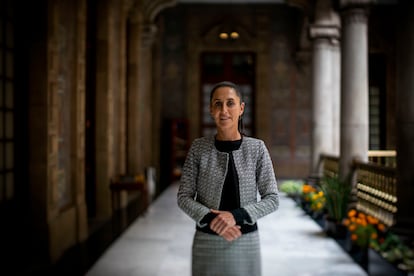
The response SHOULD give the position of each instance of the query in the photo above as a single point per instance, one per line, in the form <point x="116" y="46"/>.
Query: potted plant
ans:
<point x="364" y="231"/>
<point x="363" y="228"/>
<point x="314" y="201"/>
<point x="292" y="188"/>
<point x="337" y="194"/>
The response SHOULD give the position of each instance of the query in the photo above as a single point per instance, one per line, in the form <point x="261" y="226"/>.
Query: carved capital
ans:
<point x="304" y="5"/>
<point x="355" y="15"/>
<point x="323" y="31"/>
<point x="128" y="5"/>
<point x="151" y="8"/>
<point x="146" y="10"/>
<point x="355" y="3"/>
<point x="148" y="35"/>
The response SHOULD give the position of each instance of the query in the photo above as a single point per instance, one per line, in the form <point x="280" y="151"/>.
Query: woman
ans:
<point x="221" y="179"/>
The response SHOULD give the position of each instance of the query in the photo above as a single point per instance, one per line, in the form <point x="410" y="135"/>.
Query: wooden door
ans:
<point x="237" y="67"/>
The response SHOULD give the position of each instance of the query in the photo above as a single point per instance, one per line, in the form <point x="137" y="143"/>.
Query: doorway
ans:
<point x="90" y="181"/>
<point x="237" y="67"/>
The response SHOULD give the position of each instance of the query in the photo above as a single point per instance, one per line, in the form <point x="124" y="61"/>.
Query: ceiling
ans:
<point x="231" y="1"/>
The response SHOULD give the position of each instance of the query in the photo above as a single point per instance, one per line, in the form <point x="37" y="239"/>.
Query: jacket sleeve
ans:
<point x="267" y="188"/>
<point x="187" y="191"/>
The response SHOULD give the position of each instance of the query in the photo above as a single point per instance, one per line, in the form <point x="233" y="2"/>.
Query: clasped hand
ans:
<point x="224" y="225"/>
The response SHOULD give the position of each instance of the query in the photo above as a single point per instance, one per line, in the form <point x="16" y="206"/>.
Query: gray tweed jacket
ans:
<point x="204" y="172"/>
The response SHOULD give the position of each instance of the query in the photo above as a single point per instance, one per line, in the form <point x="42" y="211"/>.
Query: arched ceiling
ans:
<point x="231" y="1"/>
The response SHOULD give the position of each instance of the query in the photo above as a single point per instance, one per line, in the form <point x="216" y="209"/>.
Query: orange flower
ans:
<point x="362" y="216"/>
<point x="346" y="222"/>
<point x="352" y="213"/>
<point x="307" y="189"/>
<point x="381" y="227"/>
<point x="352" y="227"/>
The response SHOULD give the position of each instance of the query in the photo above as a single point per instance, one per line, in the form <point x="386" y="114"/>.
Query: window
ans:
<point x="377" y="105"/>
<point x="235" y="67"/>
<point x="7" y="141"/>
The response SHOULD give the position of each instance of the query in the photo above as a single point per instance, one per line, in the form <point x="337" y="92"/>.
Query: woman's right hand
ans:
<point x="232" y="233"/>
<point x="225" y="225"/>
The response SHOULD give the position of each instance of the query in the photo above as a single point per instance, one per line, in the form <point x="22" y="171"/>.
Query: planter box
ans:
<point x="335" y="229"/>
<point x="379" y="266"/>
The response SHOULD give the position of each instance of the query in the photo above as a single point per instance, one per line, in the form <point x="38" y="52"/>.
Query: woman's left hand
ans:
<point x="222" y="222"/>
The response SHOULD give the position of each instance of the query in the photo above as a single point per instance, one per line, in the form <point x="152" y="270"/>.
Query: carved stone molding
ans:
<point x="211" y="36"/>
<point x="355" y="3"/>
<point x="322" y="31"/>
<point x="148" y="34"/>
<point x="304" y="5"/>
<point x="326" y="24"/>
<point x="355" y="15"/>
<point x="127" y="5"/>
<point x="324" y="14"/>
<point x="146" y="10"/>
<point x="151" y="8"/>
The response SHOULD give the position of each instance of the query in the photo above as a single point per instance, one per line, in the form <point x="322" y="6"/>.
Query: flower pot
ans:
<point x="360" y="254"/>
<point x="335" y="229"/>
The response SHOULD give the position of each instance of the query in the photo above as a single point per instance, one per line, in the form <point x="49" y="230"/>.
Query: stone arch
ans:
<point x="151" y="8"/>
<point x="211" y="35"/>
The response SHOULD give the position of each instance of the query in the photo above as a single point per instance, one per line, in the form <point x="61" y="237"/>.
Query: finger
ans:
<point x="214" y="211"/>
<point x="228" y="235"/>
<point x="218" y="223"/>
<point x="232" y="234"/>
<point x="218" y="226"/>
<point x="223" y="230"/>
<point x="235" y="231"/>
<point x="215" y="225"/>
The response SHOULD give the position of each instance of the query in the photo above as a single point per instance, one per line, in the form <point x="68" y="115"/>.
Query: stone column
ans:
<point x="104" y="108"/>
<point x="336" y="96"/>
<point x="354" y="88"/>
<point x="134" y="151"/>
<point x="405" y="118"/>
<point x="148" y="35"/>
<point x="325" y="32"/>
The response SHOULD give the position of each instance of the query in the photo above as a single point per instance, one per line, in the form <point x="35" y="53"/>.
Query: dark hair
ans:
<point x="226" y="84"/>
<point x="238" y="93"/>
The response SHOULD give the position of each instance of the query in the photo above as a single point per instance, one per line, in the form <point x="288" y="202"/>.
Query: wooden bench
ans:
<point x="128" y="183"/>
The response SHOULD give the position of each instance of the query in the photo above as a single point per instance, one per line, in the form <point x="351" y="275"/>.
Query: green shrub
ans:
<point x="291" y="187"/>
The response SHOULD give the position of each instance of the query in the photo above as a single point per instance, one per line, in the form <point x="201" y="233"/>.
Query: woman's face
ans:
<point x="226" y="108"/>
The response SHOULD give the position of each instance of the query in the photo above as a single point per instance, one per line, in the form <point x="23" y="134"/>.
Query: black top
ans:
<point x="230" y="196"/>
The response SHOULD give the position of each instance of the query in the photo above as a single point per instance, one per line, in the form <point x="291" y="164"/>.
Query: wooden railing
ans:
<point x="376" y="190"/>
<point x="375" y="186"/>
<point x="383" y="157"/>
<point x="330" y="165"/>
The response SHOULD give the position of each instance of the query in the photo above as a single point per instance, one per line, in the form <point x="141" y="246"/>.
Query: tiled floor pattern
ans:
<point x="159" y="243"/>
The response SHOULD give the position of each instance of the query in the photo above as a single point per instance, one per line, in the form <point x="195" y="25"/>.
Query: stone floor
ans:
<point x="159" y="243"/>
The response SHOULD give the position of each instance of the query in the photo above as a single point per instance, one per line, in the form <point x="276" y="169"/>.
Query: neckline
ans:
<point x="227" y="145"/>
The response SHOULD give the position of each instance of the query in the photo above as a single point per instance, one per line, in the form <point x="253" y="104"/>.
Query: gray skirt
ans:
<point x="214" y="256"/>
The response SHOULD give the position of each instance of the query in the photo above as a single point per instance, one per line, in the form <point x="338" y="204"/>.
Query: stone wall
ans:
<point x="282" y="92"/>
